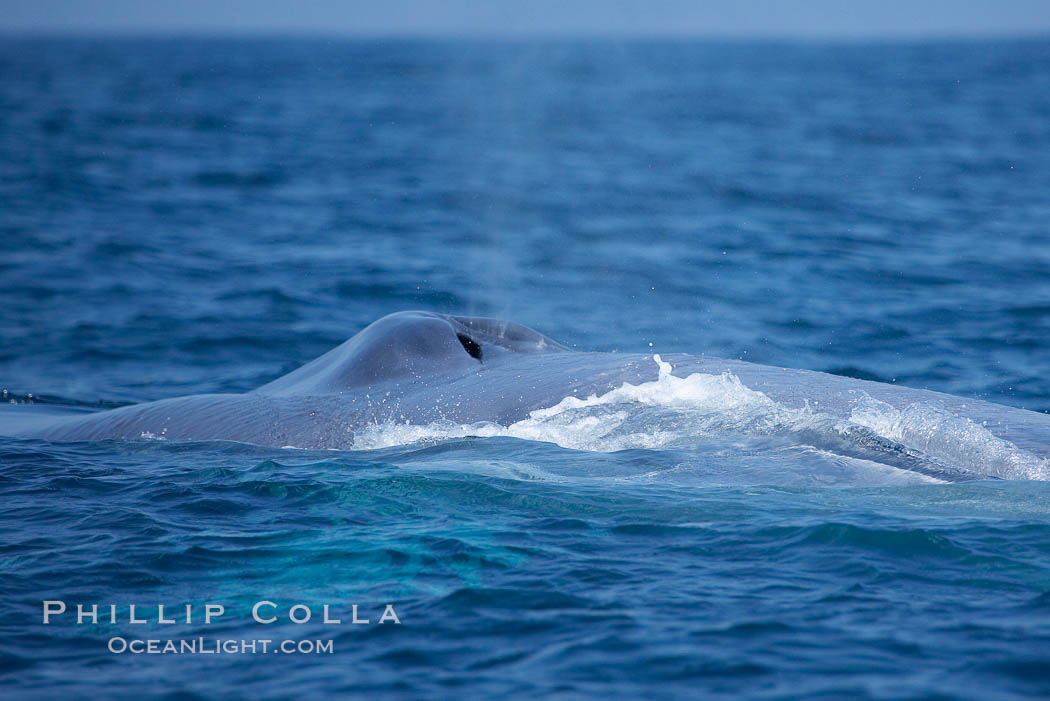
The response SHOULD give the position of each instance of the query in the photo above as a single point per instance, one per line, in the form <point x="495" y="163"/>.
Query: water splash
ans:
<point x="683" y="412"/>
<point x="949" y="437"/>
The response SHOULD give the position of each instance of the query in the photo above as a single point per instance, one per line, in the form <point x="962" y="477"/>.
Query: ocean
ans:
<point x="196" y="215"/>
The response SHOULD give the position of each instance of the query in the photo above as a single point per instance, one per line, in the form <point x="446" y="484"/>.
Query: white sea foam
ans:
<point x="616" y="420"/>
<point x="681" y="412"/>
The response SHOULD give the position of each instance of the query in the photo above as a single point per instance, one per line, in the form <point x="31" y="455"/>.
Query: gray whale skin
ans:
<point x="422" y="367"/>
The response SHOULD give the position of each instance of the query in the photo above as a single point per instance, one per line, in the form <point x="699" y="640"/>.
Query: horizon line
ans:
<point x="42" y="32"/>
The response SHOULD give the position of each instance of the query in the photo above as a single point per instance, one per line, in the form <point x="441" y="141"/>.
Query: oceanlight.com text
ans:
<point x="217" y="646"/>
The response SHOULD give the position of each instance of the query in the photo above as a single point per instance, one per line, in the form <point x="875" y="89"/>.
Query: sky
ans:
<point x="843" y="19"/>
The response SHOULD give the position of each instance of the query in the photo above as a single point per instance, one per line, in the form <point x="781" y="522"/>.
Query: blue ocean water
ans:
<point x="182" y="216"/>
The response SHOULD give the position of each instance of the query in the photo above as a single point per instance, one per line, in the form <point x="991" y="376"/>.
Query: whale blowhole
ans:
<point x="472" y="347"/>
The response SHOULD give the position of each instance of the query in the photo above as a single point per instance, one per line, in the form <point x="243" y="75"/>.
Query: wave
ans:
<point x="686" y="412"/>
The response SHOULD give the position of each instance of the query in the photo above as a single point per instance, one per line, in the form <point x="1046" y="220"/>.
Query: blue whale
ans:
<point x="422" y="368"/>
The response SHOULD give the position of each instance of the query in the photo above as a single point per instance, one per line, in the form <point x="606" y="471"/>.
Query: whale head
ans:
<point x="412" y="346"/>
